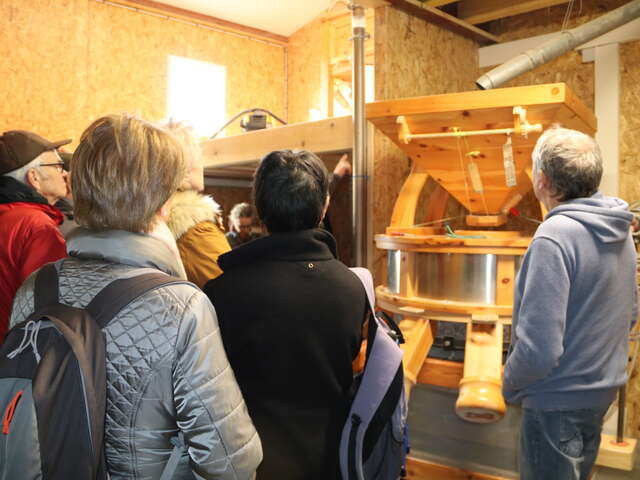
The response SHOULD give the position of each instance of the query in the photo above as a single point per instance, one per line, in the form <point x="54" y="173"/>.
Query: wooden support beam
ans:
<point x="444" y="20"/>
<point x="322" y="136"/>
<point x="441" y="373"/>
<point x="418" y="340"/>
<point x="482" y="11"/>
<point x="201" y="18"/>
<point x="438" y="3"/>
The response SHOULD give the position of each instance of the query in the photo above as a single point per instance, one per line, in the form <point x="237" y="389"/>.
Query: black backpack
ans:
<point x="53" y="382"/>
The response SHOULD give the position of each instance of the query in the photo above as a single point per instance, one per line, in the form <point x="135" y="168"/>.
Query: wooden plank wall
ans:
<point x="64" y="63"/>
<point x="580" y="78"/>
<point x="412" y="58"/>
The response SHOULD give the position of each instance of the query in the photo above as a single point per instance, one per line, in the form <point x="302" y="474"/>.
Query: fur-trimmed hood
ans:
<point x="190" y="208"/>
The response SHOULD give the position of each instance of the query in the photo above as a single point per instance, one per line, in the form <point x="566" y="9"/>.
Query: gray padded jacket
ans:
<point x="166" y="366"/>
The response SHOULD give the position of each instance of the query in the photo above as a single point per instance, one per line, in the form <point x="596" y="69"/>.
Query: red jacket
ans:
<point x="29" y="238"/>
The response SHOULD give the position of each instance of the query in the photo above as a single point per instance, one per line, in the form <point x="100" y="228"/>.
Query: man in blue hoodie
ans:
<point x="575" y="302"/>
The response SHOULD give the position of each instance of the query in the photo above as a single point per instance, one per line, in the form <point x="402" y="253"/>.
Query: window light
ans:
<point x="196" y="93"/>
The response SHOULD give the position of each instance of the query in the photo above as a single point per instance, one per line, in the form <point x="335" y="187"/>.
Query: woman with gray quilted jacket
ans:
<point x="167" y="371"/>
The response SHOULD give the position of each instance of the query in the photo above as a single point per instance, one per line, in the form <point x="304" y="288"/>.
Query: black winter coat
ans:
<point x="291" y="316"/>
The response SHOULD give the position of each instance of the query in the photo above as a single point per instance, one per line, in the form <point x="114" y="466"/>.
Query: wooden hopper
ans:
<point x="459" y="140"/>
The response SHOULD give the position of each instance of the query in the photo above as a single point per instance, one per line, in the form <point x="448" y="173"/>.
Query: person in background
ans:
<point x="32" y="180"/>
<point x="196" y="219"/>
<point x="291" y="319"/>
<point x="241" y="220"/>
<point x="167" y="371"/>
<point x="575" y="302"/>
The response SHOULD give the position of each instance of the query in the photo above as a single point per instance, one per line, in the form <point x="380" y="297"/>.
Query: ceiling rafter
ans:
<point x="482" y="11"/>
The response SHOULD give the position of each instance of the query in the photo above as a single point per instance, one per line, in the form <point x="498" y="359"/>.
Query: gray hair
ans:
<point x="20" y="174"/>
<point x="241" y="210"/>
<point x="570" y="160"/>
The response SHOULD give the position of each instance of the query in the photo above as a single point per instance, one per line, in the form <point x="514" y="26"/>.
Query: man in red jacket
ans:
<point x="32" y="179"/>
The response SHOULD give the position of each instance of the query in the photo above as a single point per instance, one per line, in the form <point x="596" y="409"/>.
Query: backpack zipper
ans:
<point x="351" y="458"/>
<point x="10" y="410"/>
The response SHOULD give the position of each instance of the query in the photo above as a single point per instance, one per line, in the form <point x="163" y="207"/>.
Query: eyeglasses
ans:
<point x="59" y="166"/>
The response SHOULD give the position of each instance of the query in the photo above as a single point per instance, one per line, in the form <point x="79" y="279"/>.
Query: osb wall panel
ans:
<point x="413" y="58"/>
<point x="67" y="62"/>
<point x="630" y="123"/>
<point x="134" y="63"/>
<point x="305" y="56"/>
<point x="43" y="80"/>
<point x="580" y="78"/>
<point x="308" y="48"/>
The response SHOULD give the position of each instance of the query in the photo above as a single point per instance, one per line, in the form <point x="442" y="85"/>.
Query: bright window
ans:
<point x="196" y="93"/>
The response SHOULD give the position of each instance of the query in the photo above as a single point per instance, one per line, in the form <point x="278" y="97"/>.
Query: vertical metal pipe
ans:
<point x="360" y="174"/>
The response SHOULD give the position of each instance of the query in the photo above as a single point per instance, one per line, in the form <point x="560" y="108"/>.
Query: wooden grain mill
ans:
<point x="477" y="146"/>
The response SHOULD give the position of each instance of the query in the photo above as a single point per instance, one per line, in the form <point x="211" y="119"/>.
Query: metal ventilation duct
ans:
<point x="567" y="40"/>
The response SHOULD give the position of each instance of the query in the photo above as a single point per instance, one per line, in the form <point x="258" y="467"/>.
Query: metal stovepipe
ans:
<point x="360" y="176"/>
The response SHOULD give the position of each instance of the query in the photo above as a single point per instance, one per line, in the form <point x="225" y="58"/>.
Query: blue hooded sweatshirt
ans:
<point x="575" y="302"/>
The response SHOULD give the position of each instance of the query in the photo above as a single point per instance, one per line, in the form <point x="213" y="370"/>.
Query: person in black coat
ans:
<point x="291" y="319"/>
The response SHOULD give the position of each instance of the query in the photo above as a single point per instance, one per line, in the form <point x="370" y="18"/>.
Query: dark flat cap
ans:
<point x="19" y="147"/>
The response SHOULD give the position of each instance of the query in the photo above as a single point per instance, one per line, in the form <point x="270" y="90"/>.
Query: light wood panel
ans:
<point x="614" y="455"/>
<point x="423" y="306"/>
<point x="441" y="373"/>
<point x="330" y="135"/>
<point x="541" y="101"/>
<point x="423" y="470"/>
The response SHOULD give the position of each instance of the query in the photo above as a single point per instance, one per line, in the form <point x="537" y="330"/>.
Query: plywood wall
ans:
<point x="310" y="50"/>
<point x="306" y="52"/>
<point x="65" y="63"/>
<point x="412" y="58"/>
<point x="43" y="66"/>
<point x="580" y="77"/>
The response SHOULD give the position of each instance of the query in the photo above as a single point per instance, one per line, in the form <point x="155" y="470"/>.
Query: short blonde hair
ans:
<point x="123" y="171"/>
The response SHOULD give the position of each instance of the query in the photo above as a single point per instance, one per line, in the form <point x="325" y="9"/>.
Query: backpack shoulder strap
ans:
<point x="46" y="287"/>
<point x="364" y="275"/>
<point x="120" y="293"/>
<point x="383" y="361"/>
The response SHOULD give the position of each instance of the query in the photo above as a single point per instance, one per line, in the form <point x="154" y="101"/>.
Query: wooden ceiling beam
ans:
<point x="481" y="11"/>
<point x="444" y="20"/>
<point x="201" y="18"/>
<point x="438" y="3"/>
